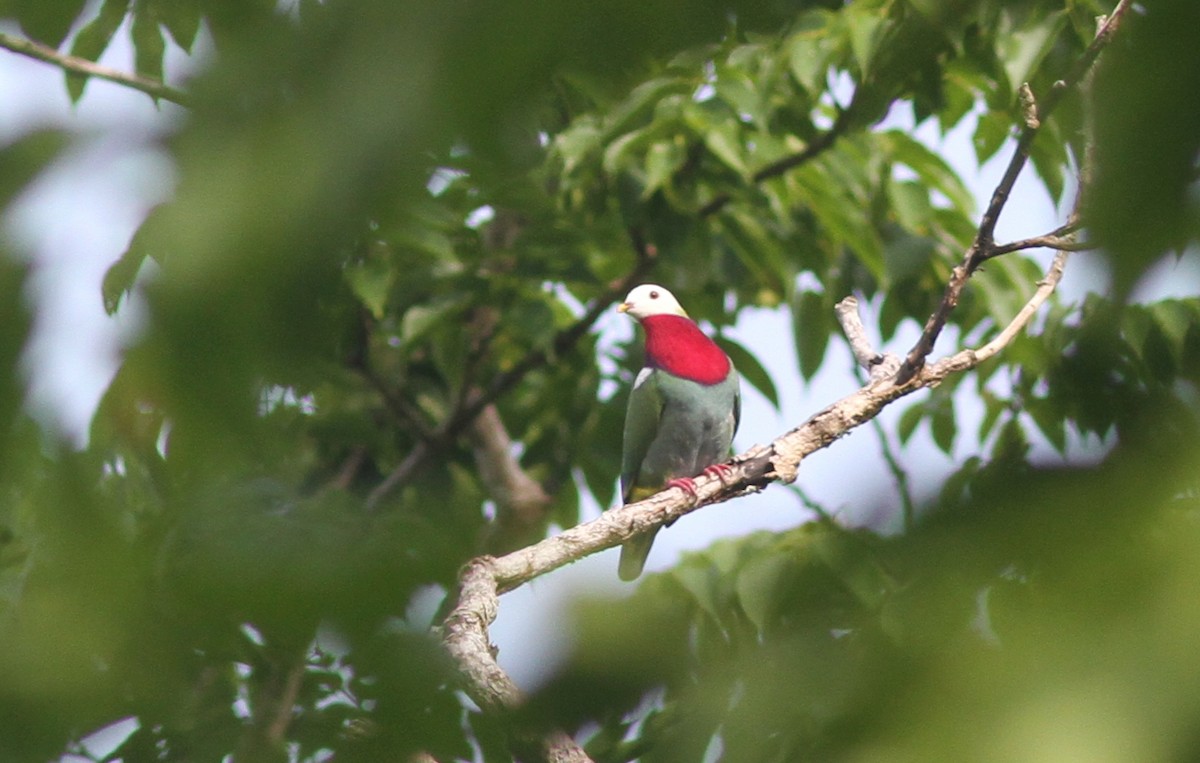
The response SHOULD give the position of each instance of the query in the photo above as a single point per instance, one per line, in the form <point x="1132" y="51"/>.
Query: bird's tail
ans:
<point x="634" y="553"/>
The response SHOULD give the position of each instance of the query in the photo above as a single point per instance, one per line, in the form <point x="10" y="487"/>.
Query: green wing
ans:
<point x="737" y="403"/>
<point x="641" y="426"/>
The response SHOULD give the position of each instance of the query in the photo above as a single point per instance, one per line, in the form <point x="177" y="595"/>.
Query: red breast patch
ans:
<point x="677" y="345"/>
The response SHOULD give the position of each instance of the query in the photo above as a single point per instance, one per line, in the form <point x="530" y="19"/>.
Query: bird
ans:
<point x="683" y="410"/>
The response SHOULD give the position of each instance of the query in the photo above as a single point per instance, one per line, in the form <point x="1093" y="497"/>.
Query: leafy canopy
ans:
<point x="391" y="215"/>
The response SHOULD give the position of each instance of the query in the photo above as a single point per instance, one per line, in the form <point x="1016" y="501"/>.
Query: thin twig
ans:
<point x="409" y="415"/>
<point x="1055" y="240"/>
<point x="971" y="358"/>
<point x="818" y="146"/>
<point x="76" y="65"/>
<point x="983" y="247"/>
<point x="399" y="475"/>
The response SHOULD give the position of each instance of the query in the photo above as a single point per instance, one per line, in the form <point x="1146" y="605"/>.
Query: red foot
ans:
<point x="723" y="472"/>
<point x="686" y="484"/>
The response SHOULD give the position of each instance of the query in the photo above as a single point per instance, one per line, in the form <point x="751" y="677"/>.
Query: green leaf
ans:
<point x="47" y="21"/>
<point x="932" y="169"/>
<point x="906" y="258"/>
<point x="618" y="153"/>
<point x="700" y="582"/>
<point x="992" y="129"/>
<point x="866" y="27"/>
<point x="1143" y="201"/>
<point x="23" y="160"/>
<point x="371" y="281"/>
<point x="1136" y="323"/>
<point x="122" y="275"/>
<point x="758" y="585"/>
<point x="893" y="312"/>
<point x="1049" y="420"/>
<point x="910" y="202"/>
<point x="182" y="20"/>
<point x="810" y="329"/>
<point x="758" y="248"/>
<point x="420" y="319"/>
<point x="533" y="319"/>
<point x="641" y="102"/>
<point x="577" y="143"/>
<point x="942" y="425"/>
<point x="1174" y="319"/>
<point x="843" y="218"/>
<point x="725" y="143"/>
<point x="992" y="408"/>
<point x="663" y="160"/>
<point x="1021" y="51"/>
<point x="1049" y="156"/>
<point x="909" y="421"/>
<point x="148" y="44"/>
<point x="739" y="91"/>
<point x="808" y="51"/>
<point x="750" y="369"/>
<point x="92" y="41"/>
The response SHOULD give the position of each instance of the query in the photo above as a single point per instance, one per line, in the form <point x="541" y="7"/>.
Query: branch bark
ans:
<point x="82" y="66"/>
<point x="521" y="502"/>
<point x="484" y="579"/>
<point x="984" y="246"/>
<point x="1059" y="239"/>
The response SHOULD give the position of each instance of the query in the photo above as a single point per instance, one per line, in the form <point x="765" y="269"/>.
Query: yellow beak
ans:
<point x="623" y="307"/>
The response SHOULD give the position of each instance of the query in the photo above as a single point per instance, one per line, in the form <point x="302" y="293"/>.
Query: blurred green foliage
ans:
<point x="386" y="210"/>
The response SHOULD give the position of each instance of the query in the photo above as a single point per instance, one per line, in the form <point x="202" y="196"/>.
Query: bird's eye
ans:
<point x="653" y="295"/>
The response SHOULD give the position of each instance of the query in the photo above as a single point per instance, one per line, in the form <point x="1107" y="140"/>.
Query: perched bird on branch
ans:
<point x="683" y="410"/>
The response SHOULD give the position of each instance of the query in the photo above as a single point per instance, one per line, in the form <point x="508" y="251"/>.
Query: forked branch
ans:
<point x="483" y="580"/>
<point x="465" y="630"/>
<point x="984" y="246"/>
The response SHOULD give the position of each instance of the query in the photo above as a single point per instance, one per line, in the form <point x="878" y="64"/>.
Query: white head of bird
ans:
<point x="651" y="299"/>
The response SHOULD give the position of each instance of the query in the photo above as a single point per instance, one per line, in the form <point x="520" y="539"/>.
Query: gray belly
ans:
<point x="695" y="431"/>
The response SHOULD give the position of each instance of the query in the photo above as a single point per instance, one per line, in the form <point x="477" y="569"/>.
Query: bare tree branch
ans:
<point x="521" y="502"/>
<point x="484" y="579"/>
<point x="465" y="636"/>
<point x="984" y="246"/>
<point x="86" y="68"/>
<point x="971" y="358"/>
